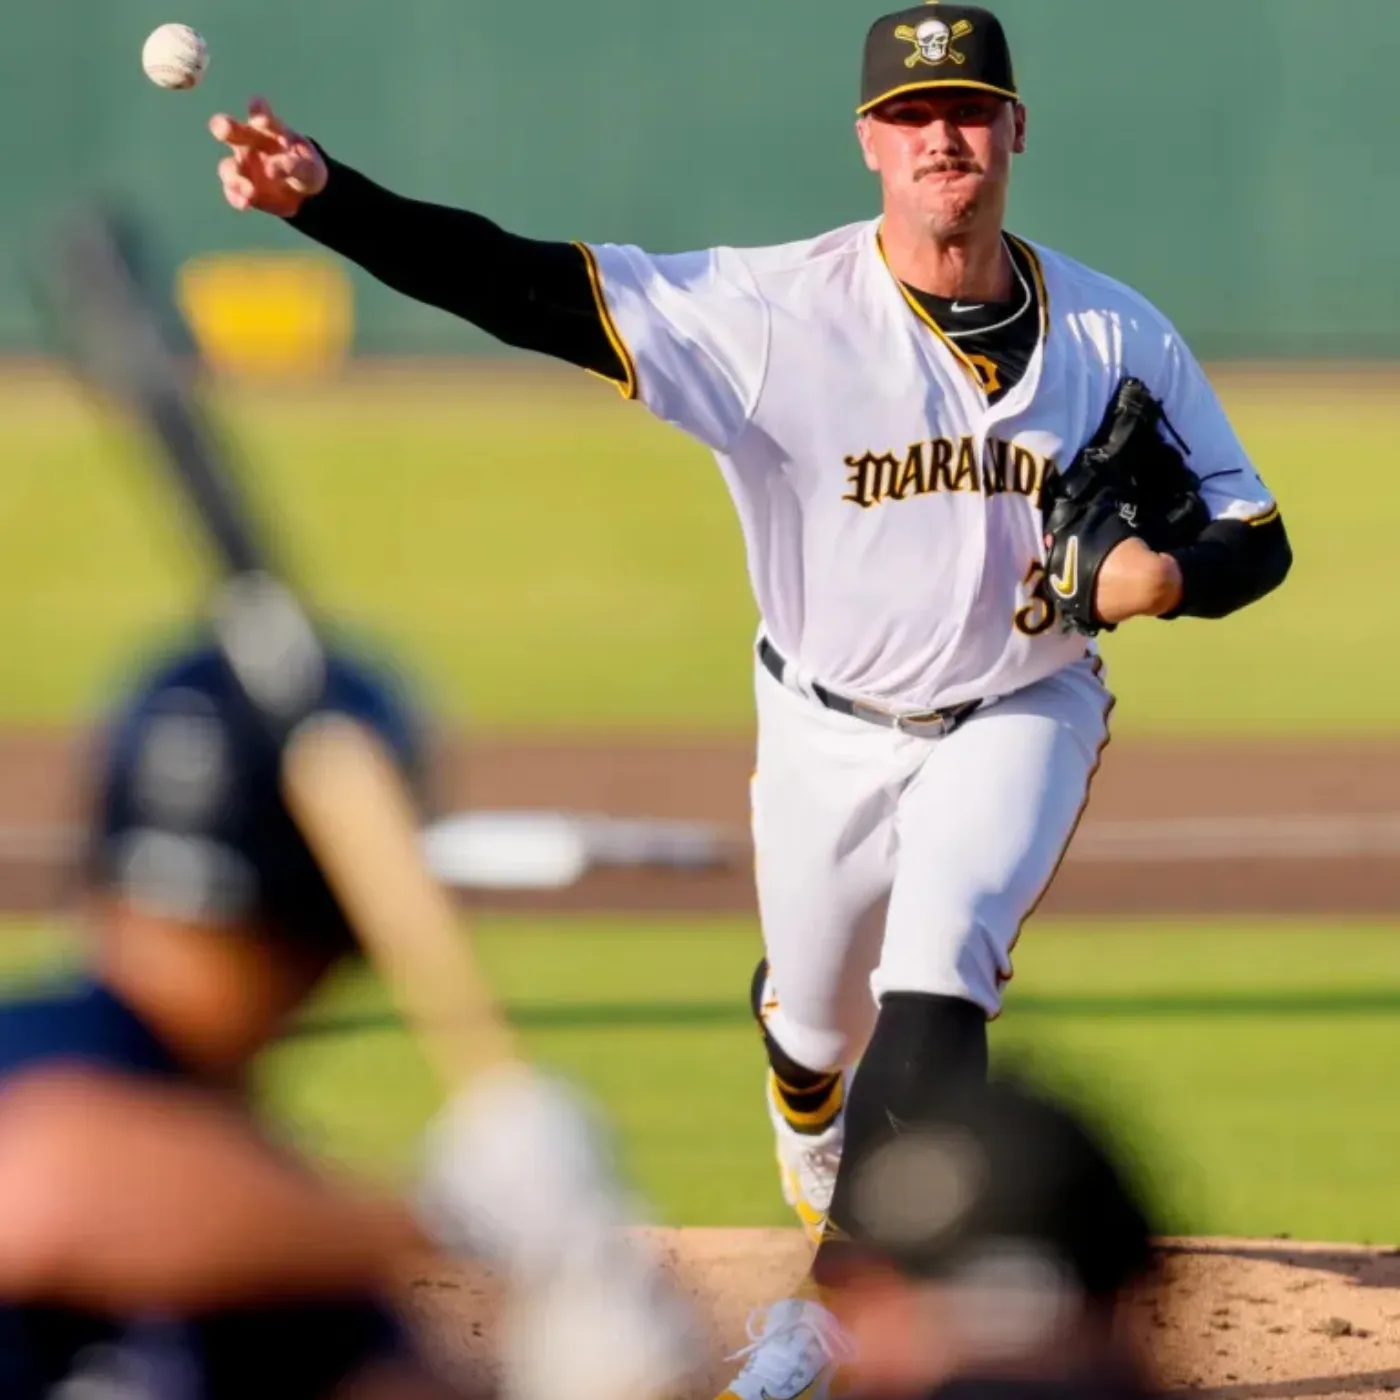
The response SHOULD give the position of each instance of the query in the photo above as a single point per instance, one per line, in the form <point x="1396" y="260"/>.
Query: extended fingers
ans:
<point x="269" y="166"/>
<point x="245" y="136"/>
<point x="238" y="188"/>
<point x="261" y="115"/>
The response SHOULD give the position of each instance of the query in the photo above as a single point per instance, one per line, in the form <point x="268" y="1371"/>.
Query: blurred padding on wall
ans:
<point x="1230" y="158"/>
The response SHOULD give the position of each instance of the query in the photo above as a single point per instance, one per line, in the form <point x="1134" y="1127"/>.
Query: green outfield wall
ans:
<point x="1235" y="159"/>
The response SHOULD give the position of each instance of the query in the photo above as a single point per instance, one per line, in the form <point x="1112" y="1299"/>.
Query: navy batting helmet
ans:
<point x="190" y="821"/>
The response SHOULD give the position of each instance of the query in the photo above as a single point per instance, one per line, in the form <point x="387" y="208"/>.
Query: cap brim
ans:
<point x="935" y="83"/>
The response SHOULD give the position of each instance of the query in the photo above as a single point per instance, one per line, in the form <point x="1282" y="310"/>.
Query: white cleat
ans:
<point x="793" y="1354"/>
<point x="807" y="1164"/>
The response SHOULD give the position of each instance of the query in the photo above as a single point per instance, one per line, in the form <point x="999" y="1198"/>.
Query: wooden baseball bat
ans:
<point x="348" y="798"/>
<point x="339" y="781"/>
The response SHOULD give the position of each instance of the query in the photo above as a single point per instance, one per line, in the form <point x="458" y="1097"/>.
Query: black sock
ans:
<point x="921" y="1047"/>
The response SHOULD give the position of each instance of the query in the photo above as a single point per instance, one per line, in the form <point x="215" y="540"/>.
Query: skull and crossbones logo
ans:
<point x="933" y="41"/>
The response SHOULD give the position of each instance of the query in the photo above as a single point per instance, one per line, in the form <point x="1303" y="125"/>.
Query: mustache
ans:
<point x="948" y="165"/>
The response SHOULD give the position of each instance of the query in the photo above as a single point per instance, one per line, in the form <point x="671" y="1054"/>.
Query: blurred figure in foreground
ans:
<point x="155" y="1244"/>
<point x="994" y="1248"/>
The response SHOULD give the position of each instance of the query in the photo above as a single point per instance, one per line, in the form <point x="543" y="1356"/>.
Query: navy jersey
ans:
<point x="295" y="1351"/>
<point x="290" y="1352"/>
<point x="88" y="1026"/>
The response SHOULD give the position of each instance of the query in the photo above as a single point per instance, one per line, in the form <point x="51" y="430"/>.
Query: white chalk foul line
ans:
<point x="1163" y="840"/>
<point x="1310" y="837"/>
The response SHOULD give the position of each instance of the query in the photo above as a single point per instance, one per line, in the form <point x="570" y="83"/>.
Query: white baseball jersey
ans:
<point x="890" y="514"/>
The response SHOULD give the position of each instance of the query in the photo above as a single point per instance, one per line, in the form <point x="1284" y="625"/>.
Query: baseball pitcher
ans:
<point x="956" y="457"/>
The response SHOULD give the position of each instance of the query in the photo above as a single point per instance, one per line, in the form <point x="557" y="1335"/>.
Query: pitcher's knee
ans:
<point x="960" y="956"/>
<point x="796" y="1047"/>
<point x="818" y="1049"/>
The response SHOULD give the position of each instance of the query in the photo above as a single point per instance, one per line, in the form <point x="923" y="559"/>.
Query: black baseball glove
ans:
<point x="1129" y="481"/>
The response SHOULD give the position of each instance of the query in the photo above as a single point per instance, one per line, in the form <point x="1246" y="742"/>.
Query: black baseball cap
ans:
<point x="935" y="46"/>
<point x="1000" y="1172"/>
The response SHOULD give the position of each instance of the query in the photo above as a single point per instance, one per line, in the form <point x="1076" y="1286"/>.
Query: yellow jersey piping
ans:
<point x="918" y="310"/>
<point x="1096" y="664"/>
<point x="1038" y="272"/>
<point x="627" y="387"/>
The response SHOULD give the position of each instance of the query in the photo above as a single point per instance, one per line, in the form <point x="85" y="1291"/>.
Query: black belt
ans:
<point x="931" y="724"/>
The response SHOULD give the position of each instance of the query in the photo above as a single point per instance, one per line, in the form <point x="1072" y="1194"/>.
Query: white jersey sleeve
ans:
<point x="691" y="330"/>
<point x="1230" y="486"/>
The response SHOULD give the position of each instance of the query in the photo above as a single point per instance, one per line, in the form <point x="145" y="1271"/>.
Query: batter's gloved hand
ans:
<point x="1129" y="480"/>
<point x="517" y="1174"/>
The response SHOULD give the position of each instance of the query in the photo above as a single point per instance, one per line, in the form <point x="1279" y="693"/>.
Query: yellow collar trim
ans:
<point x="1036" y="270"/>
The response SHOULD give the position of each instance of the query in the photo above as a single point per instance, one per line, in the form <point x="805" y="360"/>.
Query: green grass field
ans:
<point x="545" y="555"/>
<point x="1251" y="1068"/>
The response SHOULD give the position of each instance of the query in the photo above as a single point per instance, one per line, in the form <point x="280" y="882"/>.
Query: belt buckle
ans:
<point x="915" y="724"/>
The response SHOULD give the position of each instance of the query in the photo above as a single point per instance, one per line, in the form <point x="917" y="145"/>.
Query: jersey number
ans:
<point x="1037" y="615"/>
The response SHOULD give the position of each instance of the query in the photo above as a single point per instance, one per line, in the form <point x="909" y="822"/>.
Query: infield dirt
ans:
<point x="1173" y="827"/>
<point x="1228" y="1320"/>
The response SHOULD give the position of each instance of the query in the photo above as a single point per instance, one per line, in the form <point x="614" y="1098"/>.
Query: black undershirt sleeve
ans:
<point x="540" y="296"/>
<point x="532" y="294"/>
<point x="1231" y="564"/>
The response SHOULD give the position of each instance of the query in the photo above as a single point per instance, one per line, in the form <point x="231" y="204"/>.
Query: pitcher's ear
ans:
<point x="867" y="149"/>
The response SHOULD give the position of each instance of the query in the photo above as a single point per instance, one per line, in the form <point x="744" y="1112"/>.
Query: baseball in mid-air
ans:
<point x="175" y="57"/>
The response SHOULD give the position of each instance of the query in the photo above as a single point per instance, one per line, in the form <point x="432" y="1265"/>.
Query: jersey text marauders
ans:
<point x="890" y="511"/>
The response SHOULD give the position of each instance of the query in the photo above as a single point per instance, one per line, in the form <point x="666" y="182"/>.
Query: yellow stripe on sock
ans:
<point x="810" y="1120"/>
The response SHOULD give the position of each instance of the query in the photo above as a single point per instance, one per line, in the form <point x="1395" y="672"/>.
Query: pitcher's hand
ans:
<point x="1135" y="581"/>
<point x="270" y="167"/>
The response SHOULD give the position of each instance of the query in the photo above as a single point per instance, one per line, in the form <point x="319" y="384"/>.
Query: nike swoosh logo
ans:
<point x="957" y="307"/>
<point x="1067" y="583"/>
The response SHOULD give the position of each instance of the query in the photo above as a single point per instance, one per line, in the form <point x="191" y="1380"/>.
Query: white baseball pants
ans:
<point x="891" y="863"/>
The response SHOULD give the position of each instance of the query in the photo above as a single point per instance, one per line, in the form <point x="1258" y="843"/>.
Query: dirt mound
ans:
<point x="1234" y="1318"/>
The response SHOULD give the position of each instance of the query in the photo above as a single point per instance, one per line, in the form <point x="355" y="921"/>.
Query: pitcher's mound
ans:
<point x="1235" y="1318"/>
